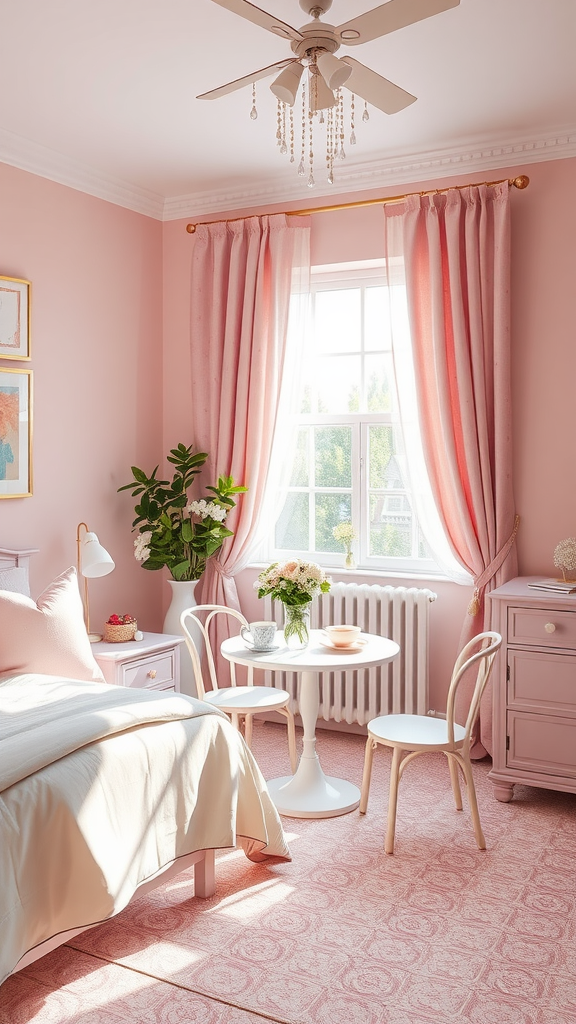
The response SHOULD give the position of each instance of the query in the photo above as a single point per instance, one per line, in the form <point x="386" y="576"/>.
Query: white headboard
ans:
<point x="14" y="572"/>
<point x="9" y="559"/>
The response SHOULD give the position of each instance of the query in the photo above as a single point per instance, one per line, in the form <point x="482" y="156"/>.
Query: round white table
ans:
<point x="309" y="793"/>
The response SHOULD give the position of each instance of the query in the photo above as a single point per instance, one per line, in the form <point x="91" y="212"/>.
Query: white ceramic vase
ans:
<point x="182" y="598"/>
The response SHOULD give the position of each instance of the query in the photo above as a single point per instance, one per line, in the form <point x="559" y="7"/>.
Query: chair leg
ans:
<point x="453" y="765"/>
<point x="367" y="775"/>
<point x="392" y="800"/>
<point x="292" y="741"/>
<point x="291" y="738"/>
<point x="248" y="730"/>
<point x="480" y="840"/>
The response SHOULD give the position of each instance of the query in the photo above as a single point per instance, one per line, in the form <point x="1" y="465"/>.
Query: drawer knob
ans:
<point x="152" y="672"/>
<point x="550" y="627"/>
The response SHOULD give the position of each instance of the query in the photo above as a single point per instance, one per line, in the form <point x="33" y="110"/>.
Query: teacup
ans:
<point x="259" y="635"/>
<point x="343" y="636"/>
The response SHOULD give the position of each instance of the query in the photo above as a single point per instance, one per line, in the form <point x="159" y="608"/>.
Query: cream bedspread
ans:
<point x="101" y="787"/>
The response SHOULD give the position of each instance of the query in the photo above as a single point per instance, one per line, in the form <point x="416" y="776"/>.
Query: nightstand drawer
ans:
<point x="541" y="627"/>
<point x="541" y="744"/>
<point x="542" y="681"/>
<point x="157" y="672"/>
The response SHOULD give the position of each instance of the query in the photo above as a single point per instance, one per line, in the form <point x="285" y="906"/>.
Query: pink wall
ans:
<point x="543" y="361"/>
<point x="96" y="272"/>
<point x="112" y="367"/>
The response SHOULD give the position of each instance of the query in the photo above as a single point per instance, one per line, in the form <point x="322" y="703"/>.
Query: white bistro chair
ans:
<point x="410" y="735"/>
<point x="240" y="702"/>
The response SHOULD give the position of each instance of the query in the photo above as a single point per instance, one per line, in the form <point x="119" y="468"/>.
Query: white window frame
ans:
<point x="327" y="278"/>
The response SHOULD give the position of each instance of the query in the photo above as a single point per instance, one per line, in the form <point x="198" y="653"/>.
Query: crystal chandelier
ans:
<point x="323" y="119"/>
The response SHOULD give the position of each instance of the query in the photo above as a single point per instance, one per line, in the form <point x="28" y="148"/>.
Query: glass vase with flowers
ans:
<point x="295" y="583"/>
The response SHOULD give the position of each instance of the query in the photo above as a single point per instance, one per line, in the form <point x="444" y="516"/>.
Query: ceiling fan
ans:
<point x="315" y="45"/>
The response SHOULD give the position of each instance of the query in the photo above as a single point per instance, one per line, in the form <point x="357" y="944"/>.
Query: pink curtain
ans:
<point x="456" y="252"/>
<point x="243" y="275"/>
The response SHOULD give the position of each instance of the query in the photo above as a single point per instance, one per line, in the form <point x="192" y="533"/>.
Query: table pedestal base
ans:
<point x="311" y="794"/>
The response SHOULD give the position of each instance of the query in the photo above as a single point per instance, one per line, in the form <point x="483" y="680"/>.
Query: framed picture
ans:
<point x="14" y="318"/>
<point x="15" y="433"/>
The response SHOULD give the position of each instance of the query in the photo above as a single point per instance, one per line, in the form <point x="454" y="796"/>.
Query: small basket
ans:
<point x="119" y="634"/>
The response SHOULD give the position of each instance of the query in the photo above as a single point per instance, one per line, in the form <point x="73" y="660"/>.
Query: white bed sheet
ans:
<point x="79" y="834"/>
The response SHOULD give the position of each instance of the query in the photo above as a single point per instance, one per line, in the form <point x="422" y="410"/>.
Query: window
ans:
<point x="346" y="466"/>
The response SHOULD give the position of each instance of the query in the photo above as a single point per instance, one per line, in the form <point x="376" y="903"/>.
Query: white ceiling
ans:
<point x="101" y="95"/>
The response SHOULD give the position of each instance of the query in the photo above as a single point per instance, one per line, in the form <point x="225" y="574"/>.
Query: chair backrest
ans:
<point x="196" y="621"/>
<point x="485" y="645"/>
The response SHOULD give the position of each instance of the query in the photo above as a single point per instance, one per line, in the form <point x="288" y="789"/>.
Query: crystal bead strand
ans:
<point x="253" y="112"/>
<point x="311" y="181"/>
<point x="352" y="113"/>
<point x="330" y="145"/>
<point x="291" y="135"/>
<point x="283" y="146"/>
<point x="301" y="168"/>
<point x="340" y="117"/>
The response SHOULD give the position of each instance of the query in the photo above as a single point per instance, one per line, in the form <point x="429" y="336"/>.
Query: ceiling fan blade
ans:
<point x="376" y="90"/>
<point x="388" y="18"/>
<point x="260" y="17"/>
<point x="239" y="83"/>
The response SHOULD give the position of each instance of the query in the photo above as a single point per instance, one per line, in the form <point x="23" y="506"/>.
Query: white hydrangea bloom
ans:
<point x="206" y="510"/>
<point x="141" y="549"/>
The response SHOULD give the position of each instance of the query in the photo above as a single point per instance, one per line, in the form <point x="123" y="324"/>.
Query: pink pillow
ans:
<point x="49" y="635"/>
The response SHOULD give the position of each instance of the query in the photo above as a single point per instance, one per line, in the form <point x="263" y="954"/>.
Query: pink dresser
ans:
<point x="534" y="685"/>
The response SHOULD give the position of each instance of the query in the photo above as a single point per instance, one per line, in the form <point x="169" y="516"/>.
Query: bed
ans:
<point x="105" y="792"/>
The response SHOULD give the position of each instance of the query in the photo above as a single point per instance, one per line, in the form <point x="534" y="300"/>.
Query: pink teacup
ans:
<point x="342" y="636"/>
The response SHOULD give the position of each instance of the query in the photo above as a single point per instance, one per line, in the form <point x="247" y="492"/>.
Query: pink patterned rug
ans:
<point x="440" y="933"/>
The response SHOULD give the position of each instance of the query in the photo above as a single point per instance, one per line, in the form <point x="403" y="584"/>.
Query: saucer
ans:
<point x="260" y="650"/>
<point x="355" y="646"/>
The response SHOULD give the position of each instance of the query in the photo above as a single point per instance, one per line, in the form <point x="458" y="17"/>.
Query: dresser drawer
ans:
<point x="542" y="681"/>
<point x="156" y="672"/>
<point x="527" y="626"/>
<point x="541" y="744"/>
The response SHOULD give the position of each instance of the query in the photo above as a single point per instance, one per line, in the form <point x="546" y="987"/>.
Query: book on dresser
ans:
<point x="554" y="586"/>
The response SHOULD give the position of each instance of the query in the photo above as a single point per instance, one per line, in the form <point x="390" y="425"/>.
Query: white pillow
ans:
<point x="15" y="580"/>
<point x="47" y="635"/>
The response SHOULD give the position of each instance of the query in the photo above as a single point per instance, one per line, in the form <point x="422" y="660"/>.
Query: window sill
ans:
<point x="379" y="575"/>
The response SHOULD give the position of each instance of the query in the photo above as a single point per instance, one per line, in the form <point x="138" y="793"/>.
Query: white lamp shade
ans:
<point x="94" y="559"/>
<point x="285" y="87"/>
<point x="334" y="71"/>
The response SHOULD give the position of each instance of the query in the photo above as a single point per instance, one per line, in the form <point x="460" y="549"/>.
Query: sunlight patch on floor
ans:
<point x="248" y="904"/>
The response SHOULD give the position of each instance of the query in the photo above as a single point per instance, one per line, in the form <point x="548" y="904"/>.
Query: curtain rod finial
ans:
<point x="522" y="181"/>
<point x="191" y="228"/>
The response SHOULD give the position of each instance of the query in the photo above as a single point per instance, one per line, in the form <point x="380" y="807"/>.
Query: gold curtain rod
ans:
<point x="521" y="182"/>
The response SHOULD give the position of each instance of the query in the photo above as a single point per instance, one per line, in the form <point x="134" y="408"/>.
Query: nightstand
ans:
<point x="534" y="723"/>
<point x="151" y="664"/>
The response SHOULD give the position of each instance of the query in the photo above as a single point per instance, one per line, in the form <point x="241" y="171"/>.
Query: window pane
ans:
<point x="337" y="320"/>
<point x="333" y="462"/>
<point x="330" y="510"/>
<point x="338" y="384"/>
<point x="292" y="526"/>
<point x="377" y="319"/>
<point x="390" y="531"/>
<point x="384" y="471"/>
<point x="377" y="375"/>
<point x="300" y="469"/>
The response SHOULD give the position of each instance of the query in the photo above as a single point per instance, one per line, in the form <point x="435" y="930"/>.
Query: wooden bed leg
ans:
<point x="205" y="876"/>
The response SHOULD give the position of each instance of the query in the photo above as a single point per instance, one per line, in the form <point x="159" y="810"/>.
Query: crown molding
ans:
<point x="47" y="163"/>
<point x="473" y="155"/>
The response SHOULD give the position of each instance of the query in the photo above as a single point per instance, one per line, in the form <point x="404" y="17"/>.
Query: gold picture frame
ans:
<point x="15" y="433"/>
<point x="15" y="302"/>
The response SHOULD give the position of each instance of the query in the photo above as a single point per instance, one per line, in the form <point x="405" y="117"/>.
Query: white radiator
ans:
<point x="400" y="613"/>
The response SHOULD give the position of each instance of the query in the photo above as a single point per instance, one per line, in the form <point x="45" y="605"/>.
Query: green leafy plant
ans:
<point x="172" y="530"/>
